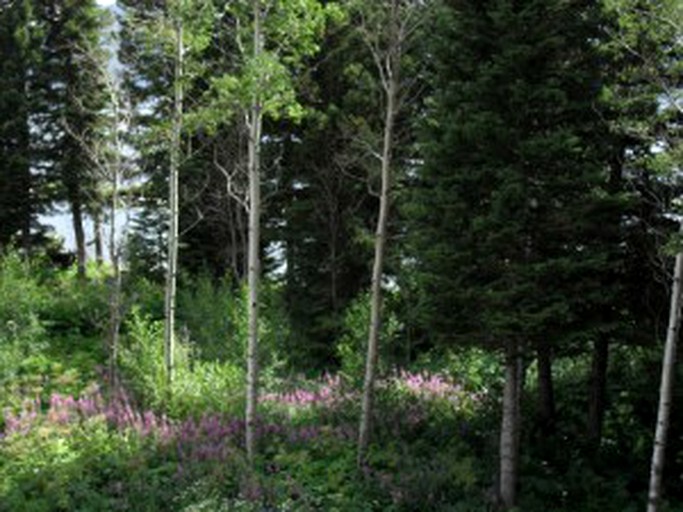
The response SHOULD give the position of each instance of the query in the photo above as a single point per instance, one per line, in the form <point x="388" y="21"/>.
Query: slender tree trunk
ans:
<point x="79" y="232"/>
<point x="27" y="176"/>
<point x="666" y="389"/>
<point x="254" y="244"/>
<point x="115" y="299"/>
<point x="334" y="295"/>
<point x="510" y="426"/>
<point x="115" y="293"/>
<point x="243" y="244"/>
<point x="97" y="235"/>
<point x="546" y="393"/>
<point x="377" y="269"/>
<point x="172" y="260"/>
<point x="114" y="247"/>
<point x="26" y="210"/>
<point x="232" y="256"/>
<point x="598" y="390"/>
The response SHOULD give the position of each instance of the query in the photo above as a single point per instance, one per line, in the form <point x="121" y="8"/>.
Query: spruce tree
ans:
<point x="507" y="209"/>
<point x="18" y="63"/>
<point x="70" y="105"/>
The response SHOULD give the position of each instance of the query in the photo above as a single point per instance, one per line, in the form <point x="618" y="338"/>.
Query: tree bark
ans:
<point x="26" y="211"/>
<point x="97" y="236"/>
<point x="334" y="238"/>
<point x="510" y="426"/>
<point x="79" y="233"/>
<point x="546" y="392"/>
<point x="232" y="256"/>
<point x="243" y="241"/>
<point x="115" y="293"/>
<point x="377" y="269"/>
<point x="172" y="259"/>
<point x="666" y="389"/>
<point x="255" y="127"/>
<point x="598" y="390"/>
<point x="114" y="244"/>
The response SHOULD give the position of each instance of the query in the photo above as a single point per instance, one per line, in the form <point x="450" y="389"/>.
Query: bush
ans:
<point x="214" y="315"/>
<point x="22" y="302"/>
<point x="65" y="459"/>
<point x="78" y="307"/>
<point x="198" y="385"/>
<point x="474" y="368"/>
<point x="352" y="346"/>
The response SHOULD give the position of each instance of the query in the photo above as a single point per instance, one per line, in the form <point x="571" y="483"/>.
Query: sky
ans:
<point x="106" y="3"/>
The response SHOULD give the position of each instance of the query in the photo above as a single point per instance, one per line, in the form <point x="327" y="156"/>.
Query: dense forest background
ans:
<point x="381" y="255"/>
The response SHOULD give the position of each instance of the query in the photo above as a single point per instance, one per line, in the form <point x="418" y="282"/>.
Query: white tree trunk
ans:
<point x="255" y="126"/>
<point x="666" y="390"/>
<point x="114" y="253"/>
<point x="377" y="269"/>
<point x="172" y="258"/>
<point x="510" y="426"/>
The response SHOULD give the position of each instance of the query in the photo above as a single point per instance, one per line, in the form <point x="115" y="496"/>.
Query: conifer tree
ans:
<point x="18" y="60"/>
<point x="508" y="203"/>
<point x="70" y="102"/>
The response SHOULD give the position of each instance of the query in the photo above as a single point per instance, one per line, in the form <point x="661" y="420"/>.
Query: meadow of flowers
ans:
<point x="306" y="439"/>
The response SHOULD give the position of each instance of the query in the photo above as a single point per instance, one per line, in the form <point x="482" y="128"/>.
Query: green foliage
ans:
<point x="146" y="294"/>
<point x="352" y="346"/>
<point x="291" y="31"/>
<point x="550" y="129"/>
<point x="83" y="466"/>
<point x="214" y="315"/>
<point x="142" y="356"/>
<point x="48" y="322"/>
<point x="322" y="476"/>
<point x="21" y="197"/>
<point x="509" y="220"/>
<point x="22" y="302"/>
<point x="80" y="308"/>
<point x="198" y="385"/>
<point x="475" y="369"/>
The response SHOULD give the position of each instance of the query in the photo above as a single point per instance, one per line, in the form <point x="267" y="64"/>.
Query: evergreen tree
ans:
<point x="70" y="104"/>
<point x="322" y="214"/>
<point x="631" y="49"/>
<point x="19" y="202"/>
<point x="507" y="210"/>
<point x="147" y="68"/>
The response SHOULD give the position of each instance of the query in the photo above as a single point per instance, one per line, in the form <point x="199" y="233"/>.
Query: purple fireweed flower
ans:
<point x="327" y="393"/>
<point x="427" y="386"/>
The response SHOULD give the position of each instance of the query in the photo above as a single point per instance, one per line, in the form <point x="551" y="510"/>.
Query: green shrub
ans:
<point x="85" y="466"/>
<point x="352" y="346"/>
<point x="79" y="308"/>
<point x="146" y="295"/>
<point x="198" y="385"/>
<point x="22" y="302"/>
<point x="142" y="358"/>
<point x="214" y="315"/>
<point x="474" y="368"/>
